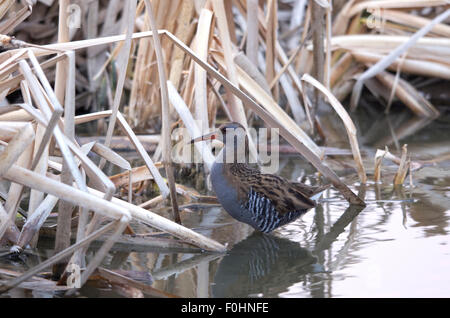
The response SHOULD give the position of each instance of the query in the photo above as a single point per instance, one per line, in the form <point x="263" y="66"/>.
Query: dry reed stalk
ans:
<point x="235" y="104"/>
<point x="297" y="20"/>
<point x="280" y="54"/>
<point x="81" y="119"/>
<point x="180" y="267"/>
<point x="379" y="155"/>
<point x="194" y="131"/>
<point x="328" y="27"/>
<point x="271" y="39"/>
<point x="252" y="31"/>
<point x="131" y="10"/>
<point x="251" y="70"/>
<point x="152" y="202"/>
<point x="95" y="174"/>
<point x="387" y="43"/>
<point x="14" y="82"/>
<point x="409" y="96"/>
<point x="5" y="5"/>
<point x="62" y="240"/>
<point x="412" y="20"/>
<point x="163" y="224"/>
<point x="348" y="123"/>
<point x="165" y="134"/>
<point x="140" y="90"/>
<point x="20" y="115"/>
<point x="126" y="281"/>
<point x="34" y="222"/>
<point x="342" y="90"/>
<point x="394" y="86"/>
<point x="63" y="36"/>
<point x="403" y="167"/>
<point x="111" y="156"/>
<point x="203" y="35"/>
<point x="15" y="194"/>
<point x="66" y="192"/>
<point x="291" y="96"/>
<point x="57" y="108"/>
<point x="36" y="197"/>
<point x="339" y="68"/>
<point x="318" y="28"/>
<point x="183" y="33"/>
<point x="220" y="99"/>
<point x="139" y="174"/>
<point x="407" y="65"/>
<point x="101" y="253"/>
<point x="15" y="19"/>
<point x="47" y="112"/>
<point x="55" y="258"/>
<point x="4" y="220"/>
<point x="288" y="63"/>
<point x="144" y="155"/>
<point x="273" y="108"/>
<point x="386" y="4"/>
<point x="16" y="147"/>
<point x="299" y="63"/>
<point x="8" y="157"/>
<point x="386" y="61"/>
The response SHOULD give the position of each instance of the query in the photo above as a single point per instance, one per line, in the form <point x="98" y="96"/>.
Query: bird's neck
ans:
<point x="230" y="155"/>
<point x="235" y="164"/>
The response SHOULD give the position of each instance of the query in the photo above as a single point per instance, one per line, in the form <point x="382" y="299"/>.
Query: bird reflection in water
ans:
<point x="262" y="264"/>
<point x="269" y="265"/>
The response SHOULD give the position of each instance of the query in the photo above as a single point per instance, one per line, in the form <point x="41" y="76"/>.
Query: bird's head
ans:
<point x="233" y="135"/>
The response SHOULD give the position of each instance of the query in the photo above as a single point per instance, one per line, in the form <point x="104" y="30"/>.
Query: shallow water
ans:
<point x="397" y="246"/>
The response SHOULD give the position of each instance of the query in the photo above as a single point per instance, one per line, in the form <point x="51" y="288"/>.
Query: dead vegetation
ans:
<point x="146" y="67"/>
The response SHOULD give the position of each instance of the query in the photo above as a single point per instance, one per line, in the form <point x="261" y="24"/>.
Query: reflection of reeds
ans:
<point x="192" y="70"/>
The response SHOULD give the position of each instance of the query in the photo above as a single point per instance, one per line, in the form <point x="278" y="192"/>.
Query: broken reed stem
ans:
<point x="348" y="123"/>
<point x="379" y="155"/>
<point x="403" y="167"/>
<point x="165" y="115"/>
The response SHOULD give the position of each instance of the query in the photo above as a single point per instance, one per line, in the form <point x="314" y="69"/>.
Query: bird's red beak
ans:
<point x="210" y="136"/>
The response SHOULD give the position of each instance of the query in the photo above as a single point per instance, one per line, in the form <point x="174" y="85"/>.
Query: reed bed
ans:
<point x="138" y="69"/>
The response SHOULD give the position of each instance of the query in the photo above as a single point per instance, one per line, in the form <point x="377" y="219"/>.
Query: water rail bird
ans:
<point x="263" y="201"/>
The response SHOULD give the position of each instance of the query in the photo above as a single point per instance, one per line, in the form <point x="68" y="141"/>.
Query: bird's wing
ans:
<point x="309" y="191"/>
<point x="283" y="195"/>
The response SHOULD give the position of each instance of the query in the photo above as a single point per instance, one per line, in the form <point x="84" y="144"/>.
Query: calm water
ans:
<point x="397" y="246"/>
